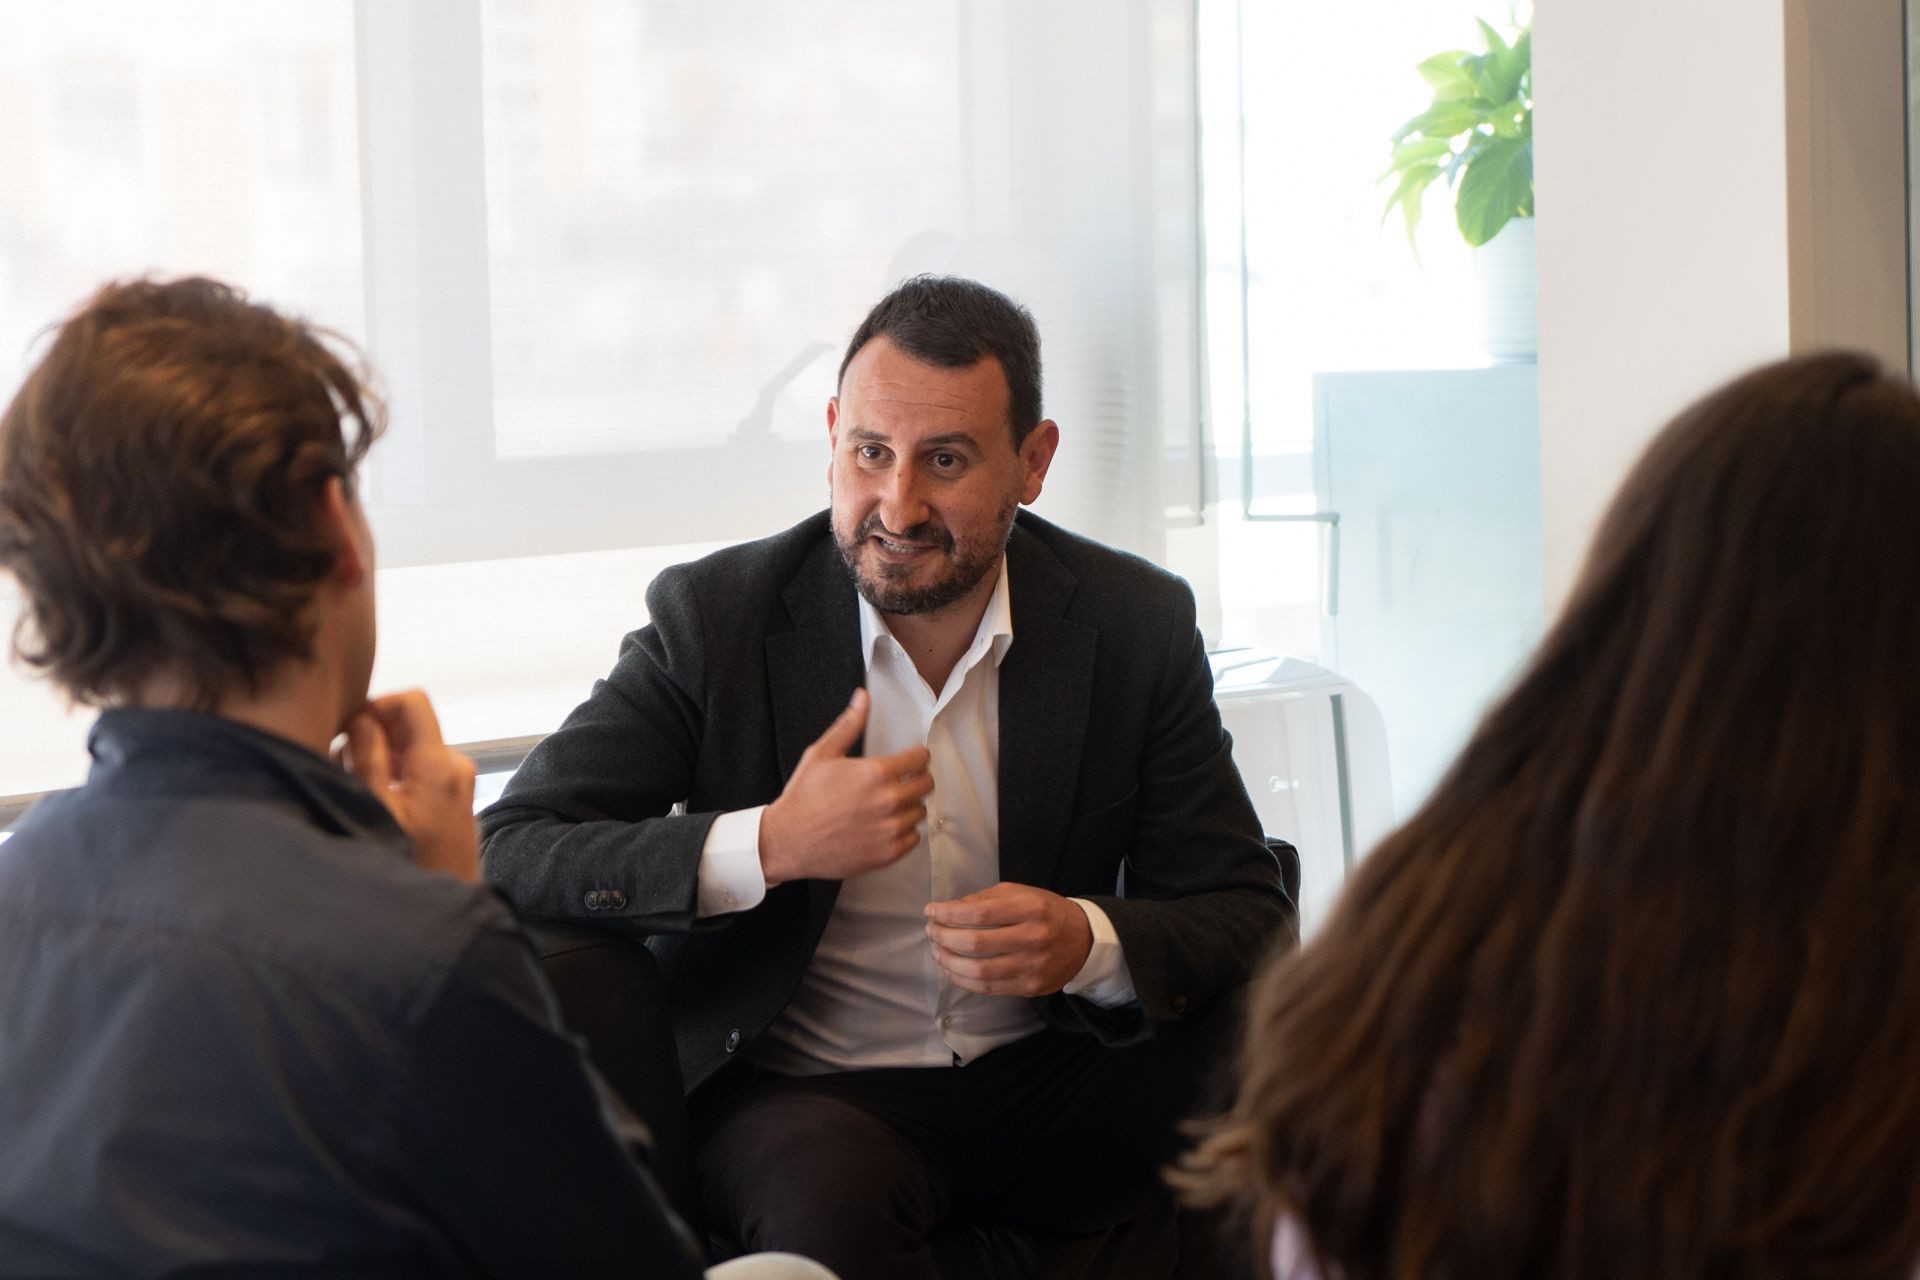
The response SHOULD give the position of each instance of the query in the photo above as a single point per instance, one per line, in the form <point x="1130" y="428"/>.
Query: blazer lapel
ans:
<point x="812" y="672"/>
<point x="1046" y="692"/>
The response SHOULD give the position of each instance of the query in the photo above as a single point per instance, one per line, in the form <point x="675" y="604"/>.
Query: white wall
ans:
<point x="1719" y="182"/>
<point x="1660" y="173"/>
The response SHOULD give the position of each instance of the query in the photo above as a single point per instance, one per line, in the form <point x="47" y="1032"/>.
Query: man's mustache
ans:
<point x="926" y="532"/>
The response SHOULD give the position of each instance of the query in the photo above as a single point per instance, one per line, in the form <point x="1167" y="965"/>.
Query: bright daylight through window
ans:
<point x="604" y="255"/>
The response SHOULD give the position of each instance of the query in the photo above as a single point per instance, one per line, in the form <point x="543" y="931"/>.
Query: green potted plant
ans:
<point x="1477" y="134"/>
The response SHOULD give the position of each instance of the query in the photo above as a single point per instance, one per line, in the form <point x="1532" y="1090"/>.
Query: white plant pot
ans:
<point x="1505" y="267"/>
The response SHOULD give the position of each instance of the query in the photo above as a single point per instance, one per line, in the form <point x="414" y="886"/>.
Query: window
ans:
<point x="605" y="254"/>
<point x="212" y="136"/>
<point x="1377" y="466"/>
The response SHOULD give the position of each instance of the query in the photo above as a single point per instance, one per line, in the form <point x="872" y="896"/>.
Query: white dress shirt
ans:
<point x="873" y="995"/>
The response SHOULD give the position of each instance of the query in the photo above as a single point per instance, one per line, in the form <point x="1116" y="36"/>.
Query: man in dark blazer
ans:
<point x="927" y="812"/>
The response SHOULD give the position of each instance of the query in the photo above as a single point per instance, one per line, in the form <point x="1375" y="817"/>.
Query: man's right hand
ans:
<point x="838" y="815"/>
<point x="394" y="744"/>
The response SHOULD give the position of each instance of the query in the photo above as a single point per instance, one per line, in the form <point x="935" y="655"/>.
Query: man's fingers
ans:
<point x="465" y="772"/>
<point x="410" y="722"/>
<point x="982" y="942"/>
<point x="913" y="790"/>
<point x="998" y="904"/>
<point x="910" y="764"/>
<point x="990" y="975"/>
<point x="845" y="731"/>
<point x="366" y="752"/>
<point x="965" y="914"/>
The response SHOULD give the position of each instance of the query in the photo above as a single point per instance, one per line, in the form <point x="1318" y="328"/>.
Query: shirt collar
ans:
<point x="995" y="629"/>
<point x="187" y="753"/>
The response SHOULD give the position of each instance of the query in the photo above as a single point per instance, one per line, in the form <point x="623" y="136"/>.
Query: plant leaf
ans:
<point x="1496" y="185"/>
<point x="1512" y="118"/>
<point x="1503" y="67"/>
<point x="1475" y="67"/>
<point x="1441" y="120"/>
<point x="1408" y="153"/>
<point x="1407" y="196"/>
<point x="1494" y="43"/>
<point x="1503" y="72"/>
<point x="1448" y="77"/>
<point x="1412" y="186"/>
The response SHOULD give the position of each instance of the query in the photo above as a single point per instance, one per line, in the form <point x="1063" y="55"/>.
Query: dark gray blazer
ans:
<point x="1116" y="780"/>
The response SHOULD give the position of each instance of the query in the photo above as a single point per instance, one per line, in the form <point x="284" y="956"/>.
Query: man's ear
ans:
<point x="1036" y="455"/>
<point x="833" y="434"/>
<point x="347" y="530"/>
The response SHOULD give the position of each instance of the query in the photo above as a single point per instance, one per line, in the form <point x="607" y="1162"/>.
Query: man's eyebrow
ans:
<point x="946" y="440"/>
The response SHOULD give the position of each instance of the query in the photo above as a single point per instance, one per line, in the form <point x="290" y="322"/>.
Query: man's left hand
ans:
<point x="1010" y="940"/>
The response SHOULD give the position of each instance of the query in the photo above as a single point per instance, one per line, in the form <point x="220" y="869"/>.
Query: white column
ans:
<point x="1718" y="182"/>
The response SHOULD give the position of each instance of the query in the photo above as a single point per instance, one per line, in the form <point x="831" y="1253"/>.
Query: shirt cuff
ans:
<point x="730" y="878"/>
<point x="1104" y="978"/>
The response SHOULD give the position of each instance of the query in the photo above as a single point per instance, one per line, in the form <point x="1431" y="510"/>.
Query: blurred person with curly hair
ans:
<point x="259" y="1014"/>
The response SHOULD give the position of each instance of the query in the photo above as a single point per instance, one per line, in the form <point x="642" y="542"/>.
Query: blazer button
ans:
<point x="1179" y="1004"/>
<point x="593" y="899"/>
<point x="616" y="899"/>
<point x="733" y="1039"/>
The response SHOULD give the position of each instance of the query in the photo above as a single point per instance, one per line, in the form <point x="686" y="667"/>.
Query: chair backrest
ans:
<point x="1289" y="859"/>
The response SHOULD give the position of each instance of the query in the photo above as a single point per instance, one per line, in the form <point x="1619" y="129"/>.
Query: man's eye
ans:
<point x="946" y="461"/>
<point x="869" y="452"/>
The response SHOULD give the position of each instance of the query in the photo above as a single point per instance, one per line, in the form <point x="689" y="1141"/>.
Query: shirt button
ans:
<point x="946" y="1021"/>
<point x="733" y="1039"/>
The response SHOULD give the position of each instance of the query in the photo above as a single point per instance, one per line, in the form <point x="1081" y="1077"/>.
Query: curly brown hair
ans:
<point x="160" y="473"/>
<point x="1637" y="992"/>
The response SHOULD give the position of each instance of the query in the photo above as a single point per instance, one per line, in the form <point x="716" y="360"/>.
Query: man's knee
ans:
<point x="820" y="1176"/>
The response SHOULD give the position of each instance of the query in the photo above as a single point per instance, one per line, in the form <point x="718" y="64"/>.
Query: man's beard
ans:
<point x="885" y="589"/>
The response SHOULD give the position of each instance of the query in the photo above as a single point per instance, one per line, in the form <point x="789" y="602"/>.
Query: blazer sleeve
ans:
<point x="1201" y="898"/>
<point x="586" y="828"/>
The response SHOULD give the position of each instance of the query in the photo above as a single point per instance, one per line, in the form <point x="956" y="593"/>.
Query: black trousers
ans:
<point x="858" y="1169"/>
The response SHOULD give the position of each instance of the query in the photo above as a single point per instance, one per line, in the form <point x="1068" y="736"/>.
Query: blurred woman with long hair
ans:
<point x="1636" y="993"/>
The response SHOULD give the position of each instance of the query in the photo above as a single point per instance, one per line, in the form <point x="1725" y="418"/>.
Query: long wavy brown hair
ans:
<point x="1637" y="992"/>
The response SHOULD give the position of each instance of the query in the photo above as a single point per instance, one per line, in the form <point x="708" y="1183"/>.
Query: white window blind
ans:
<point x="606" y="255"/>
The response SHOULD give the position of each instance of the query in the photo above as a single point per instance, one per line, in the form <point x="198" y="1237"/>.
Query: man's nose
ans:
<point x="901" y="505"/>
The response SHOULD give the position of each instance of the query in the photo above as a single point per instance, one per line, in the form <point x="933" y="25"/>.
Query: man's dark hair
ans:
<point x="161" y="470"/>
<point x="955" y="323"/>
